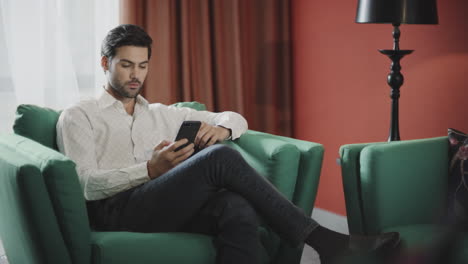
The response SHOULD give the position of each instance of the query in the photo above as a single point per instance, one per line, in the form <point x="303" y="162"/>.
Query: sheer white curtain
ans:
<point x="50" y="52"/>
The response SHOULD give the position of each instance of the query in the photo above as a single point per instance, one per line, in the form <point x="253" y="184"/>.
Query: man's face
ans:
<point x="127" y="70"/>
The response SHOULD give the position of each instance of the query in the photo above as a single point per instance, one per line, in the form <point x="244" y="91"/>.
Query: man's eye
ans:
<point x="125" y="65"/>
<point x="143" y="67"/>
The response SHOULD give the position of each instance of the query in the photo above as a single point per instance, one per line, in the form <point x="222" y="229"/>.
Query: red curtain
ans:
<point x="232" y="55"/>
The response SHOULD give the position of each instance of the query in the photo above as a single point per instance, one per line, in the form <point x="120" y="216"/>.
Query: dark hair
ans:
<point x="125" y="35"/>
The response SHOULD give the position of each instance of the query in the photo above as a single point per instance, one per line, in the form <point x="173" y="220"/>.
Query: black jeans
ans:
<point x="214" y="192"/>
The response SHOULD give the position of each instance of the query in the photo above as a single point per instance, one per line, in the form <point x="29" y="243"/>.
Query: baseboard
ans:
<point x="2" y="251"/>
<point x="3" y="259"/>
<point x="331" y="220"/>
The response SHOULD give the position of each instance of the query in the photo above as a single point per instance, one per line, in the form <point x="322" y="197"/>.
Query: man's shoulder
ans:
<point x="158" y="107"/>
<point x="85" y="105"/>
<point x="173" y="107"/>
<point x="171" y="110"/>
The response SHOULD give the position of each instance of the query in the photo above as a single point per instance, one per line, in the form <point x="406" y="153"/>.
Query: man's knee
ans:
<point x="222" y="152"/>
<point x="235" y="209"/>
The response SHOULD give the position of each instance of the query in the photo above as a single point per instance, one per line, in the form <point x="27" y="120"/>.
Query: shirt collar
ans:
<point x="106" y="100"/>
<point x="142" y="101"/>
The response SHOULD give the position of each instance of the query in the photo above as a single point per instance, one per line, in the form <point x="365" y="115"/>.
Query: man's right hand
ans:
<point x="165" y="157"/>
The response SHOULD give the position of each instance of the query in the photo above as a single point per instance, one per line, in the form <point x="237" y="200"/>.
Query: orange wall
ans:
<point x="341" y="95"/>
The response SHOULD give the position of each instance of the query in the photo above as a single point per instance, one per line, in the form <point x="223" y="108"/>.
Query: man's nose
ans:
<point x="134" y="72"/>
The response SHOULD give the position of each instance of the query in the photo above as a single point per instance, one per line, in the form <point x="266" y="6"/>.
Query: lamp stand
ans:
<point x="395" y="80"/>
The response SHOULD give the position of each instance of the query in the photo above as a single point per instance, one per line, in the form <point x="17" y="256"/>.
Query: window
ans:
<point x="50" y="52"/>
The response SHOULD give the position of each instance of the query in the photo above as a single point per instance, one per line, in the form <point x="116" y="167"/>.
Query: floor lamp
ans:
<point x="396" y="12"/>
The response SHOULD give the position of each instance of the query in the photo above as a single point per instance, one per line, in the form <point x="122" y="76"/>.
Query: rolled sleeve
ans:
<point x="231" y="120"/>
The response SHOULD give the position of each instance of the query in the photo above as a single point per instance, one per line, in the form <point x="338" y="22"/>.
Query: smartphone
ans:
<point x="188" y="130"/>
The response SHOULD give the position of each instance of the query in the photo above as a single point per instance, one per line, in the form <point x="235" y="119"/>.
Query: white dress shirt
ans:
<point x="111" y="147"/>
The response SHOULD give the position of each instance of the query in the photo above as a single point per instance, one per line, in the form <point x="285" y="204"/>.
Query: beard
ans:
<point x="119" y="88"/>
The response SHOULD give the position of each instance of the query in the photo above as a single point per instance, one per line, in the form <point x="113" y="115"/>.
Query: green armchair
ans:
<point x="397" y="186"/>
<point x="44" y="219"/>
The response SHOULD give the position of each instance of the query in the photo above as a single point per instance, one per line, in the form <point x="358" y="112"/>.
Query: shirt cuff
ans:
<point x="139" y="174"/>
<point x="230" y="132"/>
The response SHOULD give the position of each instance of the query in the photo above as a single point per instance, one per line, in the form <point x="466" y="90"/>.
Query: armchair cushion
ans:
<point x="458" y="176"/>
<point x="183" y="248"/>
<point x="37" y="123"/>
<point x="112" y="247"/>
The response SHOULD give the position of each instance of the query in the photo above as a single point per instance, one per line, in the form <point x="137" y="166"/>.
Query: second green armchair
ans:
<point x="397" y="186"/>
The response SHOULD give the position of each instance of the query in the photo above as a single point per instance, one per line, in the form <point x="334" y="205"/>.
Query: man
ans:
<point x="135" y="180"/>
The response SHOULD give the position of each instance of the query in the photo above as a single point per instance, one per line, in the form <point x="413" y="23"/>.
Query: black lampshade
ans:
<point x="397" y="11"/>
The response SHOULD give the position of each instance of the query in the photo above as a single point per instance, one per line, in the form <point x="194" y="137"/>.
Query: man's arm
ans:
<point x="75" y="140"/>
<point x="233" y="122"/>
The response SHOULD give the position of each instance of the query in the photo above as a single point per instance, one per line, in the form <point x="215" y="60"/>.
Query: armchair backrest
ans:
<point x="394" y="184"/>
<point x="37" y="123"/>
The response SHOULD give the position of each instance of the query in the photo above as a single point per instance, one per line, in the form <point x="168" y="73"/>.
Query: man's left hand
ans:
<point x="208" y="135"/>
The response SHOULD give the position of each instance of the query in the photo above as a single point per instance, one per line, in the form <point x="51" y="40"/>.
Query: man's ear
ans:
<point x="105" y="63"/>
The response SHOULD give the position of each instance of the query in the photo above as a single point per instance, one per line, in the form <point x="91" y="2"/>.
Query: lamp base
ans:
<point x="395" y="81"/>
<point x="391" y="52"/>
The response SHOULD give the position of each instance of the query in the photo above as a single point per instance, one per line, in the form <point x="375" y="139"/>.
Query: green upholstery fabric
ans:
<point x="402" y="174"/>
<point x="37" y="123"/>
<point x="64" y="191"/>
<point x="29" y="230"/>
<point x="416" y="236"/>
<point x="293" y="166"/>
<point x="273" y="154"/>
<point x="194" y="105"/>
<point x="398" y="186"/>
<point x="183" y="248"/>
<point x="310" y="163"/>
<point x="350" y="167"/>
<point x="112" y="247"/>
<point x="283" y="156"/>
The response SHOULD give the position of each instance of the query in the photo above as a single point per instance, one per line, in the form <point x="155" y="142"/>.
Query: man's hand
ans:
<point x="208" y="135"/>
<point x="165" y="157"/>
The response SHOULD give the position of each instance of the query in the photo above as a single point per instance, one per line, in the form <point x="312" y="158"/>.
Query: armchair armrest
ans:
<point x="310" y="166"/>
<point x="350" y="172"/>
<point x="273" y="158"/>
<point x="300" y="161"/>
<point x="292" y="165"/>
<point x="402" y="183"/>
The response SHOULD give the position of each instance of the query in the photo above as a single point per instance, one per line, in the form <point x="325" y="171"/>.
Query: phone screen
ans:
<point x="188" y="130"/>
